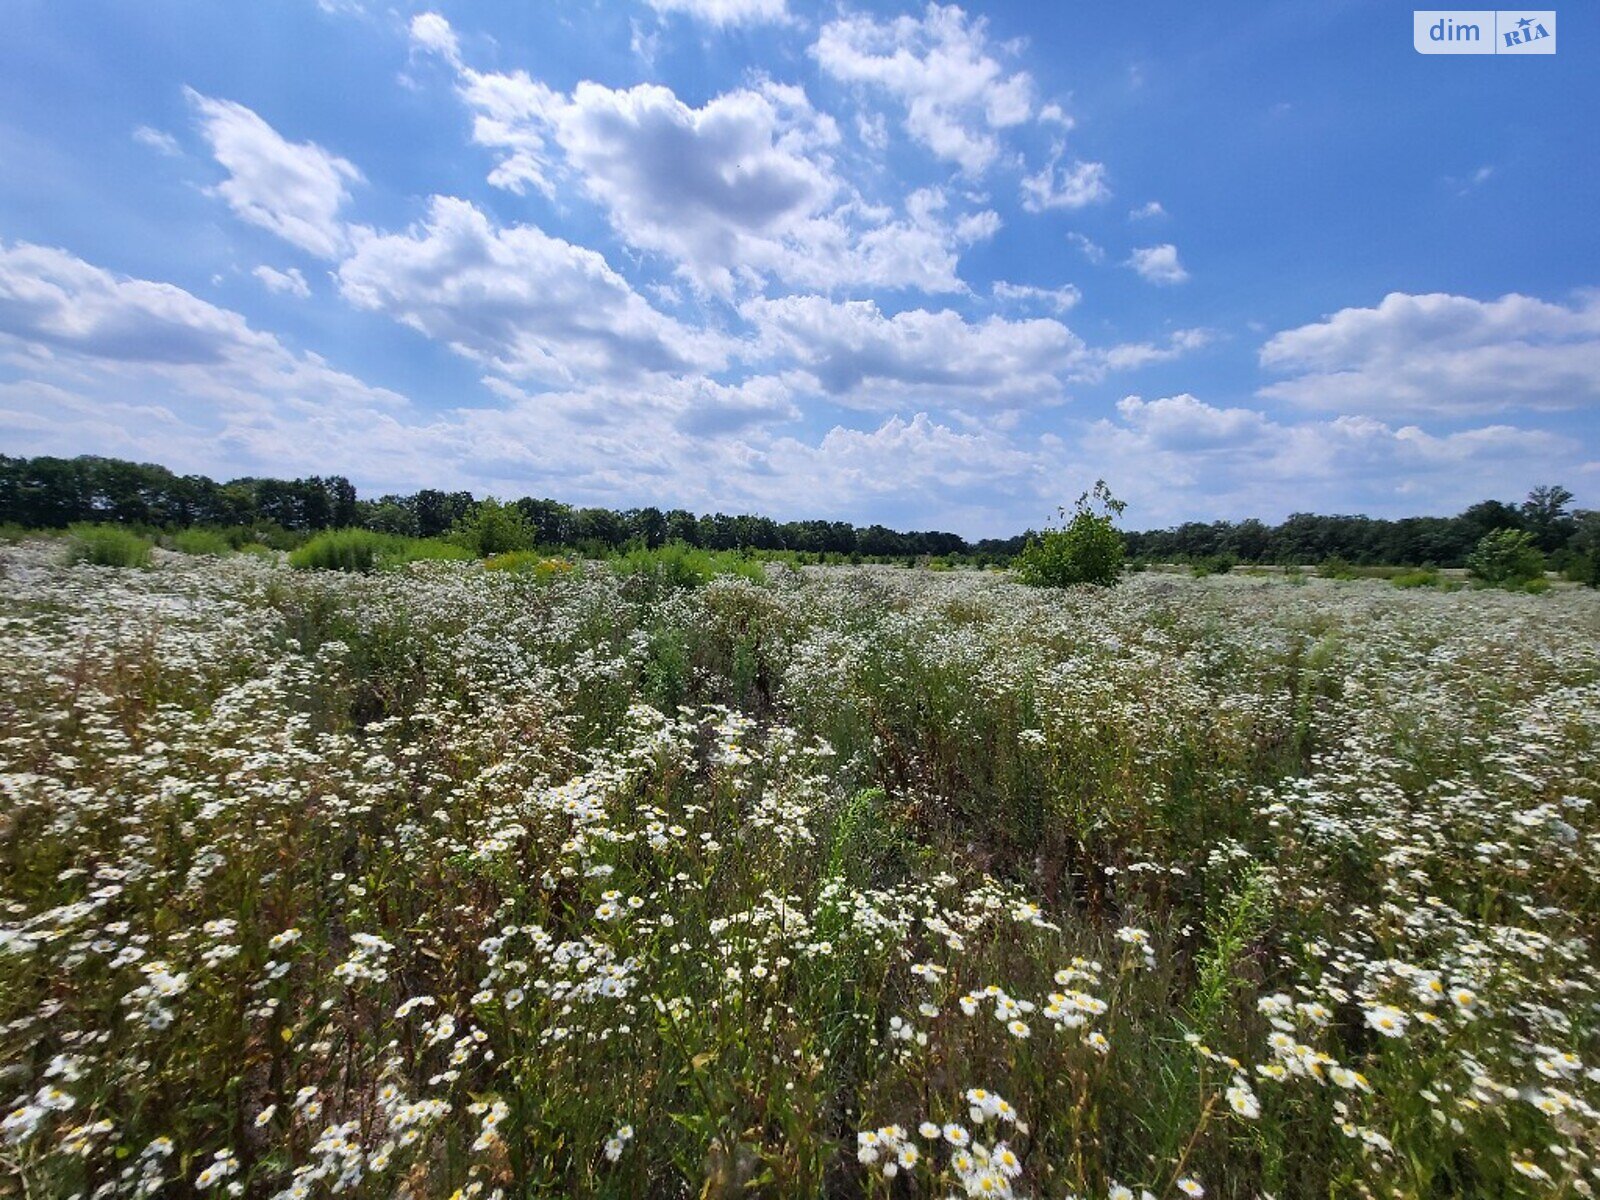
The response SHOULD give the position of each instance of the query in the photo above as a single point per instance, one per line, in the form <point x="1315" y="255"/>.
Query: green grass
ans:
<point x="361" y="550"/>
<point x="107" y="546"/>
<point x="542" y="567"/>
<point x="676" y="565"/>
<point x="207" y="543"/>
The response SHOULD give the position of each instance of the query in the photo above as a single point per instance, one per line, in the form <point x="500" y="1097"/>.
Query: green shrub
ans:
<point x="1213" y="564"/>
<point x="1427" y="577"/>
<point x="1087" y="550"/>
<point x="363" y="550"/>
<point x="1537" y="587"/>
<point x="269" y="534"/>
<point x="209" y="543"/>
<point x="1506" y="558"/>
<point x="341" y="550"/>
<point x="108" y="546"/>
<point x="1584" y="560"/>
<point x="494" y="528"/>
<point x="530" y="562"/>
<point x="677" y="565"/>
<point x="1335" y="567"/>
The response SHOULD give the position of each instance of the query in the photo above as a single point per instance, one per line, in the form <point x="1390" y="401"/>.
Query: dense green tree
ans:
<point x="648" y="525"/>
<point x="51" y="493"/>
<point x="390" y="514"/>
<point x="493" y="528"/>
<point x="1506" y="557"/>
<point x="1087" y="549"/>
<point x="1545" y="515"/>
<point x="1585" y="545"/>
<point x="683" y="526"/>
<point x="599" y="525"/>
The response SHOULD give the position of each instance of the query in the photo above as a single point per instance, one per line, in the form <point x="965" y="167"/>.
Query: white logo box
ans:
<point x="1484" y="31"/>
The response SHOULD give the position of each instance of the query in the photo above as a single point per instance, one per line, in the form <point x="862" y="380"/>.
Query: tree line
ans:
<point x="52" y="493"/>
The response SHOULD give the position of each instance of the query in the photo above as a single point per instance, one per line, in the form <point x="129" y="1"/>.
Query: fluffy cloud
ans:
<point x="290" y="281"/>
<point x="739" y="190"/>
<point x="1075" y="186"/>
<point x="53" y="300"/>
<point x="1442" y="354"/>
<point x="513" y="115"/>
<point x="295" y="190"/>
<point x="1130" y="355"/>
<point x="1178" y="456"/>
<point x="65" y="322"/>
<point x="691" y="405"/>
<point x="735" y="182"/>
<point x="725" y="12"/>
<point x="98" y="362"/>
<point x="431" y="32"/>
<point x="1183" y="423"/>
<point x="861" y="357"/>
<point x="913" y="473"/>
<point x="147" y="370"/>
<point x="1060" y="299"/>
<point x="522" y="302"/>
<point x="1158" y="264"/>
<point x="858" y="355"/>
<point x="955" y="93"/>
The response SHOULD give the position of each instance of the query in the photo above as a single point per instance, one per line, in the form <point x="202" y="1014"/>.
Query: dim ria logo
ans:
<point x="1484" y="31"/>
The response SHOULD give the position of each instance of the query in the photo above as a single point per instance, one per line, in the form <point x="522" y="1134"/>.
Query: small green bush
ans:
<point x="209" y="543"/>
<point x="342" y="550"/>
<point x="1537" y="587"/>
<point x="364" y="550"/>
<point x="494" y="528"/>
<point x="108" y="546"/>
<point x="1426" y="577"/>
<point x="1335" y="567"/>
<point x="542" y="567"/>
<point x="677" y="565"/>
<point x="1213" y="564"/>
<point x="1506" y="558"/>
<point x="1087" y="550"/>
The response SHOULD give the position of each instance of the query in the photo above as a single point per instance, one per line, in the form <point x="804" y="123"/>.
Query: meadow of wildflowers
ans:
<point x="445" y="882"/>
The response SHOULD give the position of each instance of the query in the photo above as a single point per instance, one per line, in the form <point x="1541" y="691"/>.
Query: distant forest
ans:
<point x="53" y="493"/>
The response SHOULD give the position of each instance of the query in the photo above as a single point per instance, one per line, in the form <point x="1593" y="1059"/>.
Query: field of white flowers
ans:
<point x="863" y="881"/>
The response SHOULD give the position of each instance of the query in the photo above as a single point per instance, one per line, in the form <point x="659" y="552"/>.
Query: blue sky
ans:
<point x="937" y="266"/>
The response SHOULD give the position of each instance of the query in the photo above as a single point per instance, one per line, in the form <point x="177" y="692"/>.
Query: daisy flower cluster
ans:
<point x="443" y="881"/>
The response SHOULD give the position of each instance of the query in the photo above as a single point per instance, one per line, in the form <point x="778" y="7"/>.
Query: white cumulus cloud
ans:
<point x="735" y="192"/>
<point x="1445" y="354"/>
<point x="291" y="281"/>
<point x="860" y="356"/>
<point x="294" y="190"/>
<point x="1076" y="185"/>
<point x="525" y="303"/>
<point x="1158" y="264"/>
<point x="940" y="67"/>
